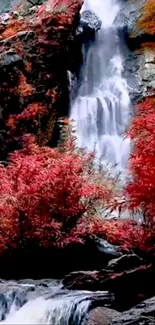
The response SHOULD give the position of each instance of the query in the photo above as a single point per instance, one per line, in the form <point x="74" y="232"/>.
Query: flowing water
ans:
<point x="102" y="109"/>
<point x="45" y="302"/>
<point x="101" y="112"/>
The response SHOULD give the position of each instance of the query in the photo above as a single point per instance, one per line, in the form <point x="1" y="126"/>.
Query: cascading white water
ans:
<point x="102" y="109"/>
<point x="44" y="302"/>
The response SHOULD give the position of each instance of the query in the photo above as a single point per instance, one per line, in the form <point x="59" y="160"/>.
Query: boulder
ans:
<point x="125" y="262"/>
<point x="142" y="314"/>
<point x="89" y="24"/>
<point x="105" y="247"/>
<point x="129" y="278"/>
<point x="111" y="277"/>
<point x="100" y="316"/>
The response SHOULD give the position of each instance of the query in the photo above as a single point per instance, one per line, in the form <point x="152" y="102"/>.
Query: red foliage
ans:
<point x="44" y="194"/>
<point x="140" y="190"/>
<point x="14" y="26"/>
<point x="125" y="233"/>
<point x="24" y="89"/>
<point x="51" y="196"/>
<point x="31" y="112"/>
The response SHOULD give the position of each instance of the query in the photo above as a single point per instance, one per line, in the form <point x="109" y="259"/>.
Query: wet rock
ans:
<point x="142" y="314"/>
<point x="89" y="24"/>
<point x="128" y="17"/>
<point x="105" y="247"/>
<point x="9" y="58"/>
<point x="145" y="66"/>
<point x="130" y="285"/>
<point x="139" y="63"/>
<point x="140" y="70"/>
<point x="100" y="316"/>
<point x="111" y="278"/>
<point x="125" y="262"/>
<point x="82" y="280"/>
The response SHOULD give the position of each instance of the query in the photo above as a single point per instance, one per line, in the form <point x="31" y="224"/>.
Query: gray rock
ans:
<point x="145" y="72"/>
<point x="8" y="58"/>
<point x="139" y="65"/>
<point x="129" y="15"/>
<point x="101" y="316"/>
<point x="89" y="22"/>
<point x="125" y="262"/>
<point x="5" y="5"/>
<point x="142" y="314"/>
<point x="105" y="247"/>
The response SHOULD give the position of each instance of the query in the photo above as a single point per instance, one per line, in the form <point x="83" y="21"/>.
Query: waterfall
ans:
<point x="102" y="109"/>
<point x="101" y="112"/>
<point x="45" y="302"/>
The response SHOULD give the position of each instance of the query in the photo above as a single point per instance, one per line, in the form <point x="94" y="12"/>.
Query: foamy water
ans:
<point x="102" y="109"/>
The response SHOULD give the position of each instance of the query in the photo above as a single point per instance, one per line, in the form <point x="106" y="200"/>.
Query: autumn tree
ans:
<point x="140" y="190"/>
<point x="46" y="193"/>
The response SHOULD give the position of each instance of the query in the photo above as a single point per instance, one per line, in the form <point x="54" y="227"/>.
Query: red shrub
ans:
<point x="140" y="191"/>
<point x="45" y="192"/>
<point x="125" y="233"/>
<point x="31" y="112"/>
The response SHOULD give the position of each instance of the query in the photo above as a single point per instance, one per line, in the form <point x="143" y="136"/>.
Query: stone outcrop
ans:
<point x="37" y="48"/>
<point x="89" y="23"/>
<point x="130" y="278"/>
<point x="142" y="314"/>
<point x="116" y="270"/>
<point x="101" y="316"/>
<point x="128" y="16"/>
<point x="140" y="61"/>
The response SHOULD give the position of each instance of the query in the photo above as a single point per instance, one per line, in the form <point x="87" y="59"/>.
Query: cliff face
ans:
<point x="135" y="19"/>
<point x="38" y="45"/>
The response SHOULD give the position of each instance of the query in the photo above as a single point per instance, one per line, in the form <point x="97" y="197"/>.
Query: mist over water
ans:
<point x="102" y="109"/>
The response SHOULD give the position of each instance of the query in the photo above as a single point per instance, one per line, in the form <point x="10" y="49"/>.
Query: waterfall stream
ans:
<point x="102" y="109"/>
<point x="45" y="302"/>
<point x="101" y="112"/>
